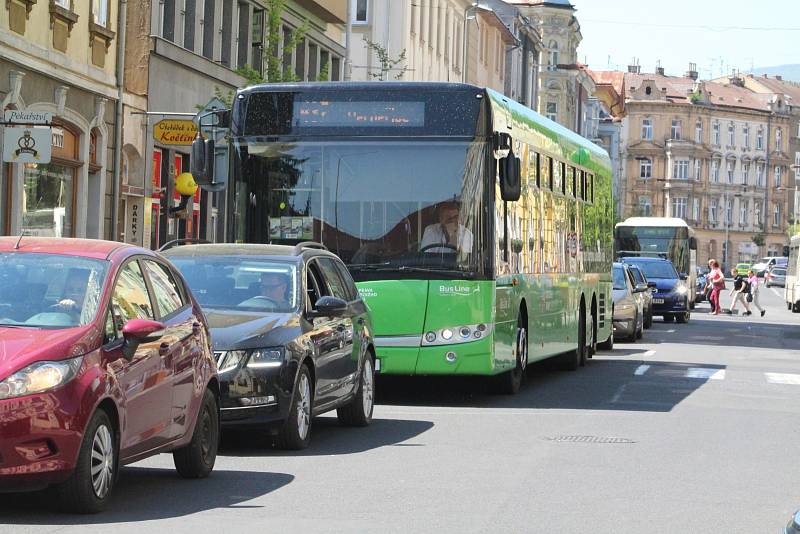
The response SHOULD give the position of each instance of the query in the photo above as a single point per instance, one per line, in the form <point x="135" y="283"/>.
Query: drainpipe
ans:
<point x="115" y="185"/>
<point x="348" y="42"/>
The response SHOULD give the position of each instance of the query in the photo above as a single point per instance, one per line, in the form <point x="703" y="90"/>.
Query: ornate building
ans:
<point x="713" y="154"/>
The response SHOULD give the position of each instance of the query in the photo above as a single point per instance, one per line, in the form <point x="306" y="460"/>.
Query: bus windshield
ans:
<point x="654" y="241"/>
<point x="383" y="206"/>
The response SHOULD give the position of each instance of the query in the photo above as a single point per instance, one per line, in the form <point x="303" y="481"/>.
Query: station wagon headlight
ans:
<point x="261" y="358"/>
<point x="230" y="360"/>
<point x="39" y="377"/>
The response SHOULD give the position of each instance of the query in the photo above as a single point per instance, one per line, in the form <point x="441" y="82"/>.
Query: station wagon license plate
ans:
<point x="658" y="301"/>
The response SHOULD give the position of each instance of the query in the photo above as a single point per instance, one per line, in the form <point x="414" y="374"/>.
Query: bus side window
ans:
<point x="582" y="185"/>
<point x="571" y="176"/>
<point x="591" y="188"/>
<point x="535" y="160"/>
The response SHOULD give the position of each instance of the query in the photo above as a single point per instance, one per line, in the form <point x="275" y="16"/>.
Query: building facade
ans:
<point x="59" y="57"/>
<point x="715" y="155"/>
<point x="180" y="55"/>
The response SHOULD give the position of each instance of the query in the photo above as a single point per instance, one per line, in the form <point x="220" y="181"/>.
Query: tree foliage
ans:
<point x="387" y="64"/>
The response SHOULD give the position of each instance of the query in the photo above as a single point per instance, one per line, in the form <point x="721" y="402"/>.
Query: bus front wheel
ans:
<point x="508" y="383"/>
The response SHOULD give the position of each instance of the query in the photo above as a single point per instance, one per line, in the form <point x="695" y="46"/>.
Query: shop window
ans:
<point x="62" y="19"/>
<point x="49" y="189"/>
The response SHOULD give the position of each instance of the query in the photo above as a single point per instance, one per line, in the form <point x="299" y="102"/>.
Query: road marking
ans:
<point x="705" y="373"/>
<point x="650" y="353"/>
<point x="672" y="331"/>
<point x="642" y="369"/>
<point x="783" y="378"/>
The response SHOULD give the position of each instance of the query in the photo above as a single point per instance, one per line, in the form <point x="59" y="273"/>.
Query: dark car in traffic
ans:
<point x="671" y="298"/>
<point x="700" y="293"/>
<point x="105" y="360"/>
<point x="291" y="335"/>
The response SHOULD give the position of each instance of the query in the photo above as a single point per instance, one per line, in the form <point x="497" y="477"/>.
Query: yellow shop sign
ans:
<point x="174" y="132"/>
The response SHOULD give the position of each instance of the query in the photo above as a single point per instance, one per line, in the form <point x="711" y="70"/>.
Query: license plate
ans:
<point x="658" y="301"/>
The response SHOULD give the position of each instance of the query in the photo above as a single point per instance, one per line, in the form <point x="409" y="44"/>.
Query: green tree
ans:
<point x="387" y="64"/>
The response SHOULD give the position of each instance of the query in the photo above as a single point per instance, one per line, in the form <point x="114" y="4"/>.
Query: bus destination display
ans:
<point x="332" y="114"/>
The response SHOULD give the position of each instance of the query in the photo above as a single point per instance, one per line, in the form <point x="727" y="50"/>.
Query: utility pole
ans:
<point x="348" y="43"/>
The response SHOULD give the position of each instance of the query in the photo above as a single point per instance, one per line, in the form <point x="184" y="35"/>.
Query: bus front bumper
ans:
<point x="471" y="358"/>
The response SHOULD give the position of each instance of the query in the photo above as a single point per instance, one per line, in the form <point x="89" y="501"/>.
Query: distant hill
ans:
<point x="787" y="72"/>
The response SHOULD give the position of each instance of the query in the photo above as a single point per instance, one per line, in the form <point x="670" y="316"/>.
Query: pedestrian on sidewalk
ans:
<point x="741" y="287"/>
<point x="716" y="281"/>
<point x="754" y="288"/>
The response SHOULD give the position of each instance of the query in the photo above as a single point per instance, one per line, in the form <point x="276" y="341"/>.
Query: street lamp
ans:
<point x="469" y="14"/>
<point x="727" y="246"/>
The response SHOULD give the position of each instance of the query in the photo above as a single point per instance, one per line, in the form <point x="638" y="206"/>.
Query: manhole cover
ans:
<point x="590" y="439"/>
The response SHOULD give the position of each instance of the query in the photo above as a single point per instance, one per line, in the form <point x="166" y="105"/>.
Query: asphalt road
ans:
<point x="692" y="429"/>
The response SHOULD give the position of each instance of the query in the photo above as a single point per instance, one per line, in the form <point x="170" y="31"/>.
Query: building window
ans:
<point x="168" y="20"/>
<point x="680" y="169"/>
<point x="675" y="130"/>
<point x="778" y="138"/>
<point x="257" y="41"/>
<point x="99" y="12"/>
<point x="359" y="11"/>
<point x="698" y="132"/>
<point x="695" y="209"/>
<point x="731" y="135"/>
<point x="760" y="174"/>
<point x="746" y="135"/>
<point x="777" y="175"/>
<point x="552" y="111"/>
<point x="208" y="29"/>
<point x="715" y="170"/>
<point x="729" y="171"/>
<point x="679" y="207"/>
<point x="553" y="56"/>
<point x="698" y="166"/>
<point x="797" y="165"/>
<point x="647" y="129"/>
<point x="712" y="211"/>
<point x="243" y="41"/>
<point x="728" y="211"/>
<point x="645" y="206"/>
<point x="776" y="215"/>
<point x="66" y="4"/>
<point x="645" y="168"/>
<point x="745" y="173"/>
<point x="760" y="138"/>
<point x="743" y="210"/>
<point x="715" y="134"/>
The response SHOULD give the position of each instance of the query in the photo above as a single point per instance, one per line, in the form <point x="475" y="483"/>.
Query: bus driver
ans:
<point x="447" y="231"/>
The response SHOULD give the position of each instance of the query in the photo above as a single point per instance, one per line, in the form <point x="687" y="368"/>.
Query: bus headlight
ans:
<point x="464" y="333"/>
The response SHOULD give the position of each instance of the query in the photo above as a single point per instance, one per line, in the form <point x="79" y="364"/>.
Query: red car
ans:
<point x="105" y="359"/>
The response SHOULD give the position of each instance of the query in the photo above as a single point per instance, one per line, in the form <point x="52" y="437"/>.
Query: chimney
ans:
<point x="778" y="77"/>
<point x="659" y="68"/>
<point x="634" y="67"/>
<point x="692" y="71"/>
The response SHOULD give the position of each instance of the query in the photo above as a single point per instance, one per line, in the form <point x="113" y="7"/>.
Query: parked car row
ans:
<point x="644" y="287"/>
<point x="291" y="340"/>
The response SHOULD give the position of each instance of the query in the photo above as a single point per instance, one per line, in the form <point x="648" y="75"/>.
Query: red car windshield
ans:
<point x="49" y="290"/>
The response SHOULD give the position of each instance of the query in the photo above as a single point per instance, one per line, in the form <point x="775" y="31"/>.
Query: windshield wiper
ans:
<point x="408" y="269"/>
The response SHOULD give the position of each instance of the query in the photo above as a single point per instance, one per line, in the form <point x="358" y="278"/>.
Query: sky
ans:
<point x="709" y="33"/>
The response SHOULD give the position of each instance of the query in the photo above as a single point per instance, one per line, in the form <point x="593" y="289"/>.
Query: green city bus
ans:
<point x="405" y="182"/>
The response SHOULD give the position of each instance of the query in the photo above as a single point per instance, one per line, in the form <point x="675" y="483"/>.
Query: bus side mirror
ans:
<point x="501" y="144"/>
<point x="692" y="243"/>
<point x="510" y="178"/>
<point x="202" y="163"/>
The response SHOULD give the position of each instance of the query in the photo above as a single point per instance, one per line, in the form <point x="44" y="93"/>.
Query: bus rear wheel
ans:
<point x="570" y="361"/>
<point x="509" y="382"/>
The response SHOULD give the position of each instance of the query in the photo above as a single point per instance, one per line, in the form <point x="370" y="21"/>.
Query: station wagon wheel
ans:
<point x="358" y="412"/>
<point x="196" y="460"/>
<point x="295" y="433"/>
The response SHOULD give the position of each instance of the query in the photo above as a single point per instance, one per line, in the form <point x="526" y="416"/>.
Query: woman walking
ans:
<point x="717" y="282"/>
<point x="754" y="286"/>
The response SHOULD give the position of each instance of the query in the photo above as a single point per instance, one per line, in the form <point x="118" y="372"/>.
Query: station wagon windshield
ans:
<point x="243" y="283"/>
<point x="49" y="290"/>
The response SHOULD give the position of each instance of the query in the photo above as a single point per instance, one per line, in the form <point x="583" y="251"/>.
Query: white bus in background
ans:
<point x="660" y="237"/>
<point x="792" y="287"/>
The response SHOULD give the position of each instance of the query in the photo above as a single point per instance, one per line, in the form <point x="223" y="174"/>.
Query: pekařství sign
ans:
<point x="24" y="116"/>
<point x="26" y="145"/>
<point x="174" y="132"/>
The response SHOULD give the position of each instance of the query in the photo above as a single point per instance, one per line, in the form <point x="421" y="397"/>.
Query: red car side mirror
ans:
<point x="138" y="331"/>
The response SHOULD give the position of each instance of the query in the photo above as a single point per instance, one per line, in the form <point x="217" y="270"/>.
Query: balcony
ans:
<point x="333" y="11"/>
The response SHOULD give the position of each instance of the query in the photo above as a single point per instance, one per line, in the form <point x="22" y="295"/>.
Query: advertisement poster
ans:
<point x="291" y="228"/>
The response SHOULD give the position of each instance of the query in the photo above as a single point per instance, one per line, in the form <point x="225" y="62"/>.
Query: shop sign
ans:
<point x="134" y="221"/>
<point x="174" y="132"/>
<point x="26" y="145"/>
<point x="23" y="116"/>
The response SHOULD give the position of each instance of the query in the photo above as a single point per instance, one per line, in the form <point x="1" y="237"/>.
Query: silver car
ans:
<point x="775" y="276"/>
<point x="628" y="304"/>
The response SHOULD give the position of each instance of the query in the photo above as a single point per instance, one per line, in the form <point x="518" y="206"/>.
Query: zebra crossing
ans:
<point x="709" y="373"/>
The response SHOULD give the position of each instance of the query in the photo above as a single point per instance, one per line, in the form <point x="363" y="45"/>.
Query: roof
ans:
<point x="239" y="249"/>
<point x="791" y="90"/>
<point x="494" y="20"/>
<point x="549" y="3"/>
<point x="360" y="86"/>
<point x="86" y="248"/>
<point x="653" y="221"/>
